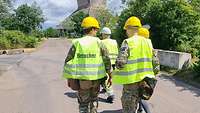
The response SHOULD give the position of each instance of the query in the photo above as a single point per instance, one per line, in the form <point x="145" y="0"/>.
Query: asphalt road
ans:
<point x="35" y="85"/>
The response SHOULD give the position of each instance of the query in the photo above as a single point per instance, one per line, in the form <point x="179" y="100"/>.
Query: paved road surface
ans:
<point x="35" y="86"/>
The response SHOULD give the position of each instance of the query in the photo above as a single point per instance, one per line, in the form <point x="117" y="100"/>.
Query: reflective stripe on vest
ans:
<point x="139" y="63"/>
<point x="112" y="47"/>
<point x="87" y="63"/>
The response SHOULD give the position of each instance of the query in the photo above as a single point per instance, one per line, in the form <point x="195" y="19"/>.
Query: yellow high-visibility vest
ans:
<point x="87" y="63"/>
<point x="139" y="63"/>
<point x="112" y="47"/>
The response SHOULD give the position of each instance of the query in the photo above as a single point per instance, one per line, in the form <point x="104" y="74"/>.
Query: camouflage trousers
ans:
<point x="130" y="98"/>
<point x="109" y="90"/>
<point x="88" y="96"/>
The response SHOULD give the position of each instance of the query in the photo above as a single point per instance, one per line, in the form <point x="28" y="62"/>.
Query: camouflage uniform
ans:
<point x="130" y="95"/>
<point x="88" y="93"/>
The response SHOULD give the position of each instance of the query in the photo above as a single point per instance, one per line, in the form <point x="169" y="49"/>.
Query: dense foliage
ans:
<point x="20" y="28"/>
<point x="103" y="15"/>
<point x="175" y="24"/>
<point x="51" y="32"/>
<point x="16" y="39"/>
<point x="25" y="18"/>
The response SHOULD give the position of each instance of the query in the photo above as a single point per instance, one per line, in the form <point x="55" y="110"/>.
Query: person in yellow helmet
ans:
<point x="134" y="65"/>
<point x="145" y="33"/>
<point x="86" y="66"/>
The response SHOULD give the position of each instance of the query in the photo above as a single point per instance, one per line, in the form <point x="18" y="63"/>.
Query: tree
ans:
<point x="103" y="15"/>
<point x="68" y="23"/>
<point x="25" y="18"/>
<point x="28" y="18"/>
<point x="51" y="32"/>
<point x="76" y="21"/>
<point x="106" y="18"/>
<point x="173" y="22"/>
<point x="5" y="6"/>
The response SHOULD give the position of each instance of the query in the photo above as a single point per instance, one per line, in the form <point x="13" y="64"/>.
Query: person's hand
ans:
<point x="109" y="81"/>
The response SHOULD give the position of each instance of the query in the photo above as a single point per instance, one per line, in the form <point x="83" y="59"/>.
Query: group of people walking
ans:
<point x="93" y="62"/>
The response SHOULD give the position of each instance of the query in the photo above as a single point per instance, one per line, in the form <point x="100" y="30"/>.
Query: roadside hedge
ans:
<point x="16" y="39"/>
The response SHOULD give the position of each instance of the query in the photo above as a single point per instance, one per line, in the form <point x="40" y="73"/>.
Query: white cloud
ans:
<point x="54" y="10"/>
<point x="115" y="5"/>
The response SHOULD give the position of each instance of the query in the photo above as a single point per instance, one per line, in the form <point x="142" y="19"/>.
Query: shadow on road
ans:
<point x="102" y="100"/>
<point x="112" y="111"/>
<point x="71" y="94"/>
<point x="184" y="86"/>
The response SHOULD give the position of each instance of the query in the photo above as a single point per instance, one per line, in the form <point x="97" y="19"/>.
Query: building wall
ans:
<point x="173" y="59"/>
<point x="98" y="3"/>
<point x="95" y="4"/>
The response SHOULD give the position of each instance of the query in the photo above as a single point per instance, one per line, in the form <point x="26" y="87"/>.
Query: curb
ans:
<point x="29" y="50"/>
<point x="14" y="51"/>
<point x="1" y="52"/>
<point x="22" y="50"/>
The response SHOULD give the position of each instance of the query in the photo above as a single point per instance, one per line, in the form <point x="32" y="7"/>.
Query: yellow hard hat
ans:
<point x="89" y="22"/>
<point x="133" y="21"/>
<point x="143" y="32"/>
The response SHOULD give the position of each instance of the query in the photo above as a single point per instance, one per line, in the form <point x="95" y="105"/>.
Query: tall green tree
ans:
<point x="25" y="18"/>
<point x="5" y="6"/>
<point x="77" y="20"/>
<point x="28" y="18"/>
<point x="173" y="22"/>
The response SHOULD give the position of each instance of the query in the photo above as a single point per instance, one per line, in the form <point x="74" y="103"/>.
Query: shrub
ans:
<point x="196" y="66"/>
<point x="16" y="39"/>
<point x="38" y="34"/>
<point x="4" y="43"/>
<point x="30" y="42"/>
<point x="172" y="22"/>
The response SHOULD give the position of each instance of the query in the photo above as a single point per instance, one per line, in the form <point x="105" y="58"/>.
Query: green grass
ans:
<point x="168" y="69"/>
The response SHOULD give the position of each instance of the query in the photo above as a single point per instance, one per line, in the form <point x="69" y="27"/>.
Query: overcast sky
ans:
<point x="57" y="10"/>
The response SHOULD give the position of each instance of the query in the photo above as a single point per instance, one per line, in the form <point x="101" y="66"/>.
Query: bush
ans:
<point x="192" y="46"/>
<point x="30" y="42"/>
<point x="196" y="66"/>
<point x="172" y="22"/>
<point x="4" y="43"/>
<point x="38" y="34"/>
<point x="51" y="32"/>
<point x="16" y="39"/>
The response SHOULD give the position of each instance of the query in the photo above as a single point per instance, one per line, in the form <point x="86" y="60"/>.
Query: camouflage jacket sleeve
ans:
<point x="122" y="58"/>
<point x="70" y="54"/>
<point x="156" y="63"/>
<point x="106" y="58"/>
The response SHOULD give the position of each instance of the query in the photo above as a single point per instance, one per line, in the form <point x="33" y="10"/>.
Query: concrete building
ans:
<point x="61" y="30"/>
<point x="95" y="5"/>
<point x="174" y="59"/>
